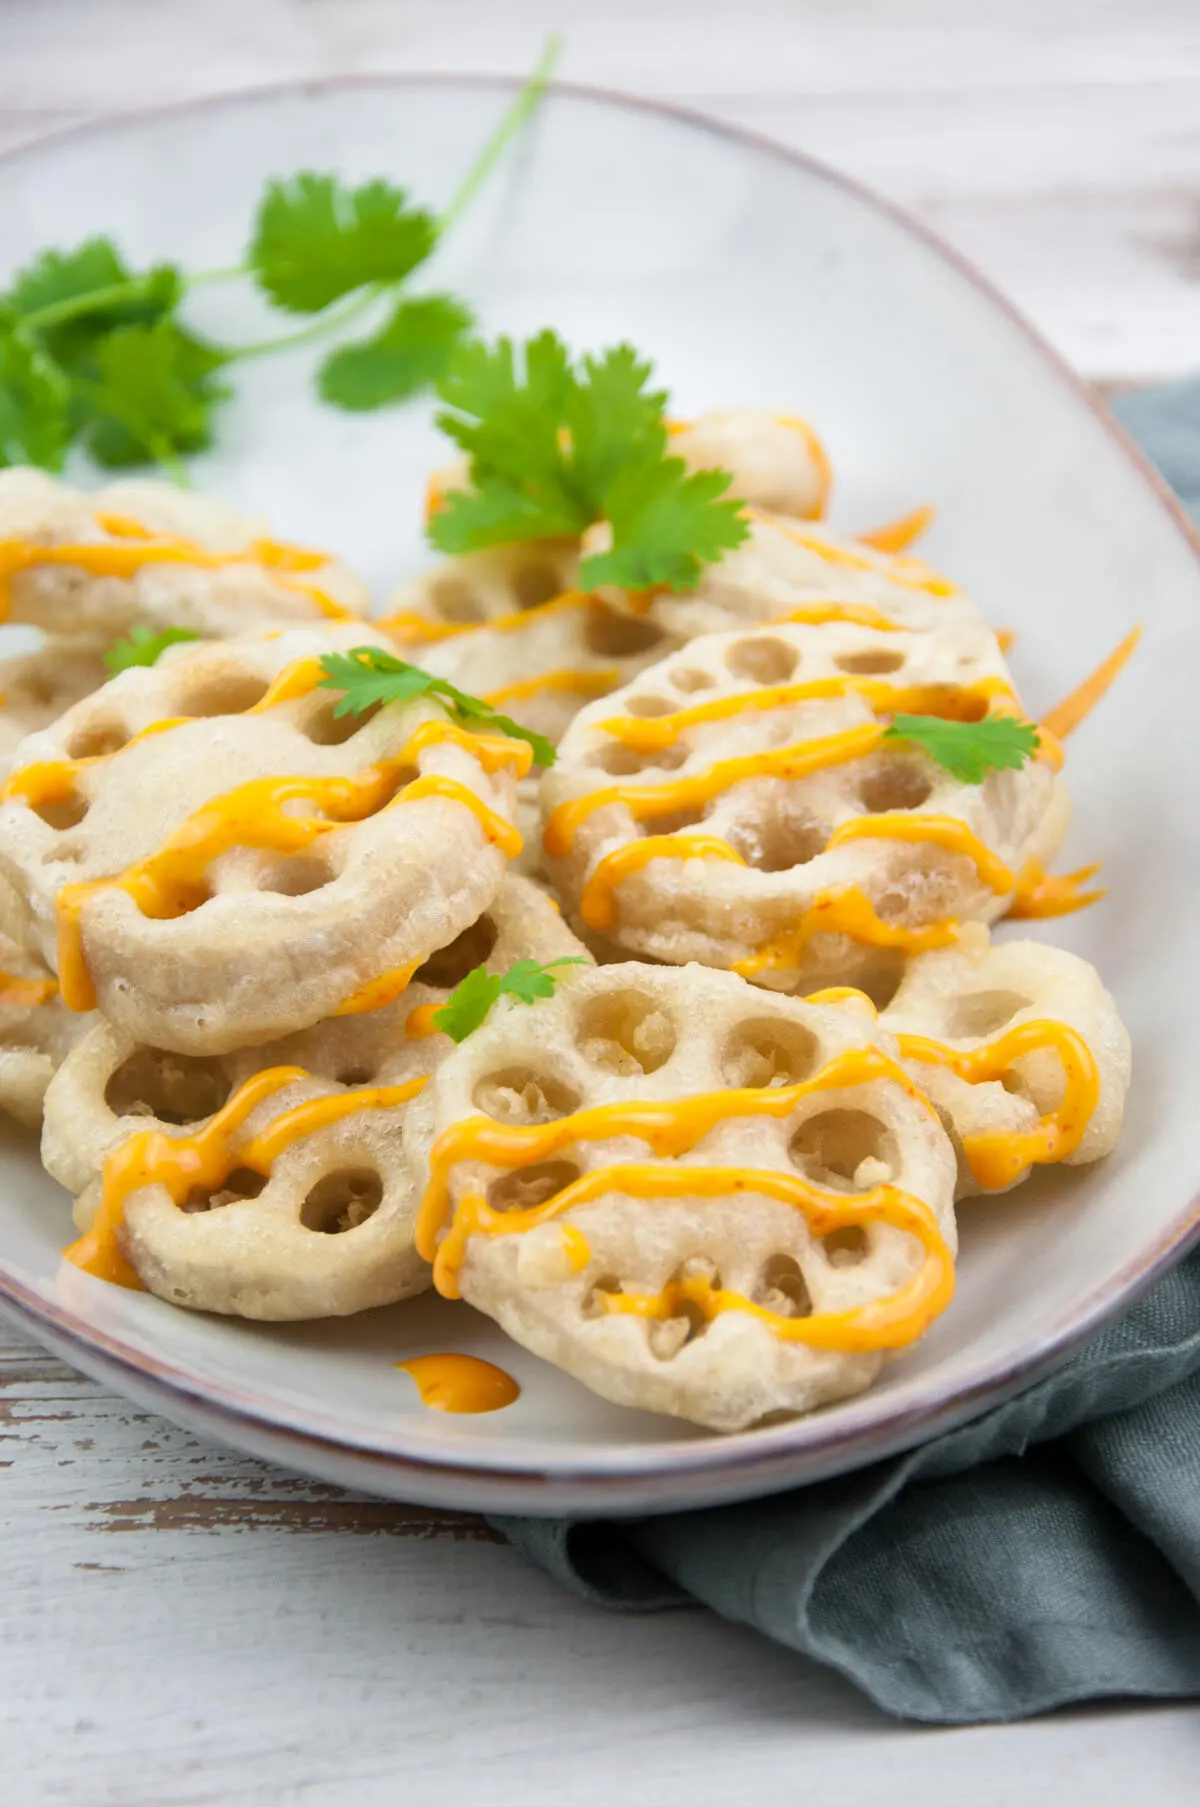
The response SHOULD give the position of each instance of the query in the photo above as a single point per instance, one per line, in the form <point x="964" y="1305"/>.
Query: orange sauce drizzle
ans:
<point x="420" y="1021"/>
<point x="645" y="801"/>
<point x="953" y="702"/>
<point x="597" y="905"/>
<point x="858" y="614"/>
<point x="424" y="627"/>
<point x="25" y="994"/>
<point x="845" y="911"/>
<point x="999" y="1158"/>
<point x="1066" y="716"/>
<point x="947" y="832"/>
<point x="569" y="679"/>
<point x="171" y="882"/>
<point x="206" y="1158"/>
<point x="842" y="994"/>
<point x="907" y="573"/>
<point x="671" y="1128"/>
<point x="130" y="551"/>
<point x="897" y="535"/>
<point x="384" y="989"/>
<point x="461" y="1383"/>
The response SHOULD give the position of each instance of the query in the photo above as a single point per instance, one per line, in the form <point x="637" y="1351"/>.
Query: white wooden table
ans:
<point x="184" y="1627"/>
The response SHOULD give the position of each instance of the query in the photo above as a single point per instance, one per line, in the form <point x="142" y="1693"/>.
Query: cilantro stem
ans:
<point x="330" y="321"/>
<point x="69" y="309"/>
<point x="335" y="318"/>
<point x="201" y="277"/>
<point x="528" y="98"/>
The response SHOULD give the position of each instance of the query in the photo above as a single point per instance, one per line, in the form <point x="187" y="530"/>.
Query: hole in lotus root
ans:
<point x="342" y="1200"/>
<point x="1016" y="1086"/>
<point x="62" y="812"/>
<point x="519" y="1095"/>
<point x="535" y="584"/>
<point x="849" y="1151"/>
<point x="769" y="1052"/>
<point x="689" y="678"/>
<point x="527" y="1187"/>
<point x="449" y="966"/>
<point x="983" y="1012"/>
<point x="356" y="1076"/>
<point x="64" y="853"/>
<point x="649" y="705"/>
<point x="612" y="636"/>
<point x="295" y="877"/>
<point x="782" y="1288"/>
<point x="626" y="1032"/>
<point x="893" y="784"/>
<point x="592" y="1304"/>
<point x="98" y="737"/>
<point x="241" y="1184"/>
<point x="620" y="761"/>
<point x="222" y="692"/>
<point x="174" y="1088"/>
<point x="872" y="662"/>
<point x="846" y="1247"/>
<point x="779" y="842"/>
<point x="325" y="728"/>
<point x="763" y="661"/>
<point x="455" y="600"/>
<point x="676" y="822"/>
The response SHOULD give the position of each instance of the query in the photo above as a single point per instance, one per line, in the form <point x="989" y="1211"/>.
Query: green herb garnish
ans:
<point x="969" y="750"/>
<point x="556" y="449"/>
<point x="368" y="677"/>
<point x="144" y="647"/>
<point x="468" y="1004"/>
<point x="95" y="353"/>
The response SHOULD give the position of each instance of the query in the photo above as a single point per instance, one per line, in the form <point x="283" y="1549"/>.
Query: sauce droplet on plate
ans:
<point x="461" y="1383"/>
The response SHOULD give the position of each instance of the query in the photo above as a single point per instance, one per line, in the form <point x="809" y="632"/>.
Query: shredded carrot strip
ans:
<point x="1066" y="716"/>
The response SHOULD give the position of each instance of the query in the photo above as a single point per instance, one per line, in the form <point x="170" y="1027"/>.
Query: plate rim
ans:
<point x="833" y="1441"/>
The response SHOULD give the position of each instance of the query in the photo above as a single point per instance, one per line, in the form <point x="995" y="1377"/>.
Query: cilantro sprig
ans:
<point x="555" y="448"/>
<point x="969" y="750"/>
<point x="144" y="647"/>
<point x="469" y="1003"/>
<point x="369" y="677"/>
<point x="96" y="354"/>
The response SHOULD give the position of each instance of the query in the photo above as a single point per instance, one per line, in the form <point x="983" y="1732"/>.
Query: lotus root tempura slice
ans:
<point x="693" y="1196"/>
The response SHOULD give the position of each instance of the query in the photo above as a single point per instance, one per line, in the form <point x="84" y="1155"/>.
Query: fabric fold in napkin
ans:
<point x="1047" y="1552"/>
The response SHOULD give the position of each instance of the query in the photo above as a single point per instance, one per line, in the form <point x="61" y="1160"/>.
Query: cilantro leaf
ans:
<point x="34" y="412"/>
<point x="969" y="750"/>
<point x="70" y="300"/>
<point x="406" y="355"/>
<point x="667" y="525"/>
<point x="369" y="677"/>
<point x="470" y="1001"/>
<point x="154" y="394"/>
<point x="554" y="450"/>
<point x="144" y="647"/>
<point x="315" y="239"/>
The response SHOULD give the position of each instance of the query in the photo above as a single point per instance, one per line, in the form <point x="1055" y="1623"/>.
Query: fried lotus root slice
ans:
<point x="542" y="666"/>
<point x="305" y="1208"/>
<point x="111" y="1085"/>
<point x="262" y="863"/>
<point x="37" y="1033"/>
<point x="776" y="461"/>
<point x="151" y="556"/>
<point x="695" y="1198"/>
<point x="1022" y="1051"/>
<point x="36" y="687"/>
<point x="737" y="804"/>
<point x="480" y="587"/>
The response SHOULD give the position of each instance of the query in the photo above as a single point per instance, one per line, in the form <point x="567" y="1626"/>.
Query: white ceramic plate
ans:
<point x="751" y="276"/>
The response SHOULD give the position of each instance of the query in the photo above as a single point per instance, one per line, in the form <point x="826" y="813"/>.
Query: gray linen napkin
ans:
<point x="1048" y="1552"/>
